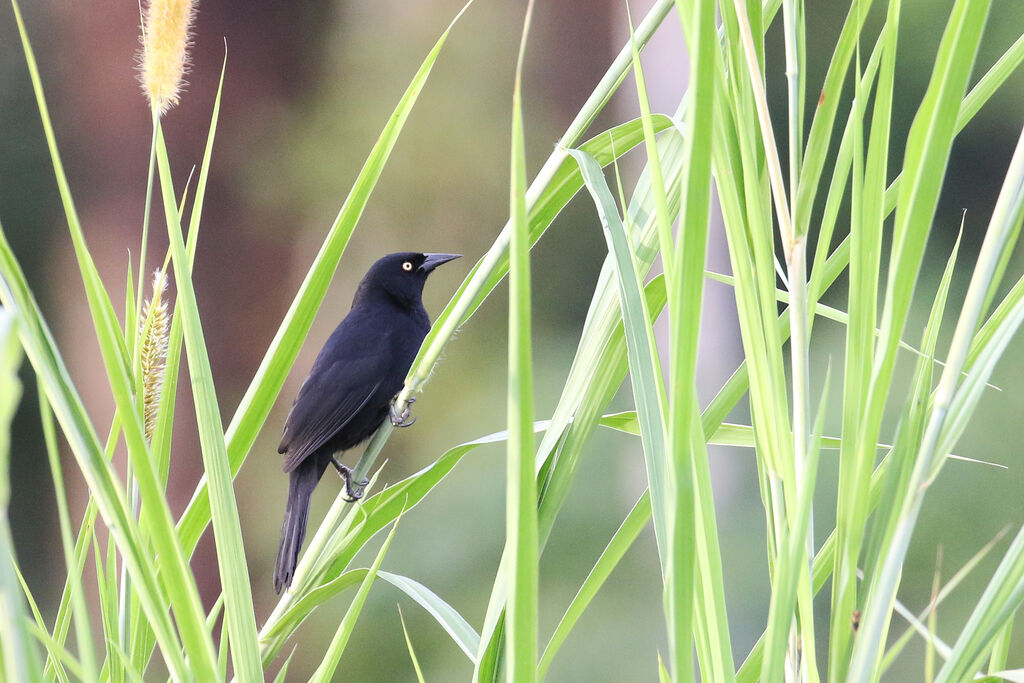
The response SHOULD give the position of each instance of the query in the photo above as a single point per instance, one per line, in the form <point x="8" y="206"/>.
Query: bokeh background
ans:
<point x="308" y="87"/>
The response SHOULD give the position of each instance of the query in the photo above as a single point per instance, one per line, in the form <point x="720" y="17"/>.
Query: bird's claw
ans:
<point x="353" y="492"/>
<point x="403" y="419"/>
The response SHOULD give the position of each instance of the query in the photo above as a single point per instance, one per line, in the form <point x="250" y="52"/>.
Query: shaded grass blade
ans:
<point x="18" y="656"/>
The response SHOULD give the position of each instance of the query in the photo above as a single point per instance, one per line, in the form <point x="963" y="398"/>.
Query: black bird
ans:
<point x="349" y="391"/>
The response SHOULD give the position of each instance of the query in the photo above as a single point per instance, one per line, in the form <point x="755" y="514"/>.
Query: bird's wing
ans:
<point x="327" y="401"/>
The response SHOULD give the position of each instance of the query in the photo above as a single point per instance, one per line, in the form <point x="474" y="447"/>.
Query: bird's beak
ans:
<point x="434" y="260"/>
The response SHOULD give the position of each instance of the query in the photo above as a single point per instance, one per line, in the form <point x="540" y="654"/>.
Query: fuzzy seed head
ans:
<point x="164" y="56"/>
<point x="153" y="354"/>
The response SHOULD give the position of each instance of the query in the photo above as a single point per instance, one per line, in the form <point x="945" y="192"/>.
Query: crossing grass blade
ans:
<point x="160" y="445"/>
<point x="451" y="621"/>
<point x="329" y="574"/>
<point x="679" y="535"/>
<point x="1003" y="595"/>
<point x="161" y="442"/>
<point x="103" y="482"/>
<point x="80" y="614"/>
<point x="867" y="216"/>
<point x="792" y="566"/>
<point x="325" y="672"/>
<point x="547" y="195"/>
<point x="893" y="651"/>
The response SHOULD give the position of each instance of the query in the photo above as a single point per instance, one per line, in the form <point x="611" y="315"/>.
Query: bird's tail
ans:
<point x="302" y="480"/>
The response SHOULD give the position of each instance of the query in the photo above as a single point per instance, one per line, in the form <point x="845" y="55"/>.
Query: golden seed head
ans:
<point x="165" y="42"/>
<point x="154" y="329"/>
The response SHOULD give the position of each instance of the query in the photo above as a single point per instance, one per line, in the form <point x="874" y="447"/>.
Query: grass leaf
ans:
<point x="450" y="620"/>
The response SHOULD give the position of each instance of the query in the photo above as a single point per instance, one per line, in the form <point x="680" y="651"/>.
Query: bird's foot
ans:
<point x="403" y="419"/>
<point x="353" y="491"/>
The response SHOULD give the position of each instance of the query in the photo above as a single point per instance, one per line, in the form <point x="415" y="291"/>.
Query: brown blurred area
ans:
<point x="308" y="88"/>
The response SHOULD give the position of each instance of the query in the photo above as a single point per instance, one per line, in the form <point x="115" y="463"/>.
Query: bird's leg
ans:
<point x="352" y="492"/>
<point x="402" y="419"/>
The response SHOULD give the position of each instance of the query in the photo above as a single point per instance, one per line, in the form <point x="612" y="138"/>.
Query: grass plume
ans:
<point x="154" y="332"/>
<point x="165" y="43"/>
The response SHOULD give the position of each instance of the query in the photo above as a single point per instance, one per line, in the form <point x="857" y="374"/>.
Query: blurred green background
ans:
<point x="308" y="87"/>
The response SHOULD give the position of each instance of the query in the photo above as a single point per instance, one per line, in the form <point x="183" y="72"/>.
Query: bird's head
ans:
<point x="400" y="276"/>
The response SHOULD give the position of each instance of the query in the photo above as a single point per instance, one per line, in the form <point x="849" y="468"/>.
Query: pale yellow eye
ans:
<point x="407" y="266"/>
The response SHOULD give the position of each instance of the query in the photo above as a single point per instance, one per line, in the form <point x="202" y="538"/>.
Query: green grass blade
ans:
<point x="867" y="216"/>
<point x="959" y="44"/>
<point x="894" y="650"/>
<point x="62" y="624"/>
<point x="1003" y="595"/>
<point x="824" y="117"/>
<point x="661" y="212"/>
<point x="107" y="590"/>
<point x="598" y="371"/>
<point x="694" y="531"/>
<point x="80" y="614"/>
<point x="587" y="391"/>
<point x="325" y="672"/>
<point x="57" y="654"/>
<point x="96" y="468"/>
<point x="554" y="185"/>
<point x="621" y="541"/>
<point x="284" y="625"/>
<point x="963" y="403"/>
<point x="521" y="480"/>
<point x="927" y="150"/>
<point x="231" y="562"/>
<point x="1006" y="220"/>
<point x="161" y="442"/>
<point x="791" y="568"/>
<point x="68" y="664"/>
<point x="645" y="373"/>
<point x="412" y="652"/>
<point x="451" y="621"/>
<point x="282" y="675"/>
